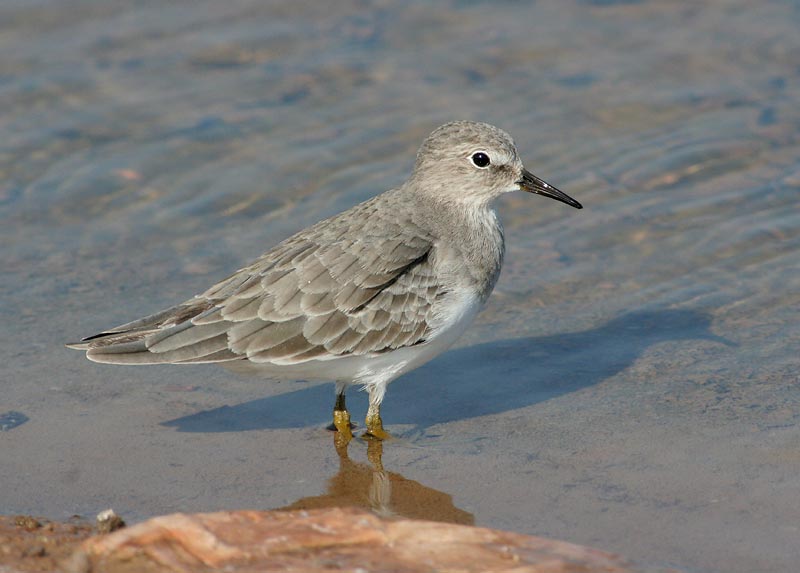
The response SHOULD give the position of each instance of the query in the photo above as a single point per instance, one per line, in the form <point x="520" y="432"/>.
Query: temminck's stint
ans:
<point x="361" y="297"/>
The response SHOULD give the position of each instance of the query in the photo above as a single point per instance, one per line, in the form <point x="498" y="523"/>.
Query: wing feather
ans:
<point x="318" y="295"/>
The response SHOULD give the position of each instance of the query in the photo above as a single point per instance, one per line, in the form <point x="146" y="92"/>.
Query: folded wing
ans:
<point x="316" y="296"/>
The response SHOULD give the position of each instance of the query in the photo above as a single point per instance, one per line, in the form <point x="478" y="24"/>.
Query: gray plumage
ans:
<point x="395" y="272"/>
<point x="358" y="283"/>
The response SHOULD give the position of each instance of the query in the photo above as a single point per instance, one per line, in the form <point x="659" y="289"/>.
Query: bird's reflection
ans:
<point x="388" y="494"/>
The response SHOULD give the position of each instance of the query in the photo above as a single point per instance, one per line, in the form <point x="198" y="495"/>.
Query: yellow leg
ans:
<point x="341" y="421"/>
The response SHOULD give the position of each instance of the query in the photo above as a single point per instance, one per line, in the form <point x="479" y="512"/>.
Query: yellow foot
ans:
<point x="375" y="429"/>
<point x="342" y="425"/>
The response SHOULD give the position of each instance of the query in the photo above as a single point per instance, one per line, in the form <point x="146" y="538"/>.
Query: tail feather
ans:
<point x="164" y="337"/>
<point x="186" y="334"/>
<point x="168" y="317"/>
<point x="138" y="353"/>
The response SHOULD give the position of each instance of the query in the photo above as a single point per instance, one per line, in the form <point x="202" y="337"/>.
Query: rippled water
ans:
<point x="633" y="383"/>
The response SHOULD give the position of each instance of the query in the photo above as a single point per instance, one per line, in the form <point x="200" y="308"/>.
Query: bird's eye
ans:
<point x="480" y="160"/>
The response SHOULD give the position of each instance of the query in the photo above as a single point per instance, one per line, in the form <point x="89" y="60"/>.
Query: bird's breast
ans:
<point x="472" y="255"/>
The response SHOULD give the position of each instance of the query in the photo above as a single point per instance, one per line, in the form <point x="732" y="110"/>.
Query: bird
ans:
<point x="361" y="297"/>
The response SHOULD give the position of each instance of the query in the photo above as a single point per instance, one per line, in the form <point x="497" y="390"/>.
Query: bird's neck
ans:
<point x="471" y="236"/>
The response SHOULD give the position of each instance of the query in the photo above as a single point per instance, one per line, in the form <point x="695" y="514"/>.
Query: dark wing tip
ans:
<point x="84" y="344"/>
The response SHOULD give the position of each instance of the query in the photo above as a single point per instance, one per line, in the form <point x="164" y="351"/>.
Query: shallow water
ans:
<point x="633" y="383"/>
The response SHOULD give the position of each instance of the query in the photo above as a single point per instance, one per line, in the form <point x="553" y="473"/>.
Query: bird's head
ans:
<point x="468" y="160"/>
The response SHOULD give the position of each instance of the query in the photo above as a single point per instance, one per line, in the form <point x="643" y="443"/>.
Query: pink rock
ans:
<point x="336" y="539"/>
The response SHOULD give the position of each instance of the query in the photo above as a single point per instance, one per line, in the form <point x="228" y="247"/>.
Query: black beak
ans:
<point x="533" y="184"/>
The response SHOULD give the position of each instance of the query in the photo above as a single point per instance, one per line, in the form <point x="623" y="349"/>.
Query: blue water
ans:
<point x="633" y="383"/>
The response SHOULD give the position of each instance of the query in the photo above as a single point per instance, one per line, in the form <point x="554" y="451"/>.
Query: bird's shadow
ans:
<point x="478" y="380"/>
